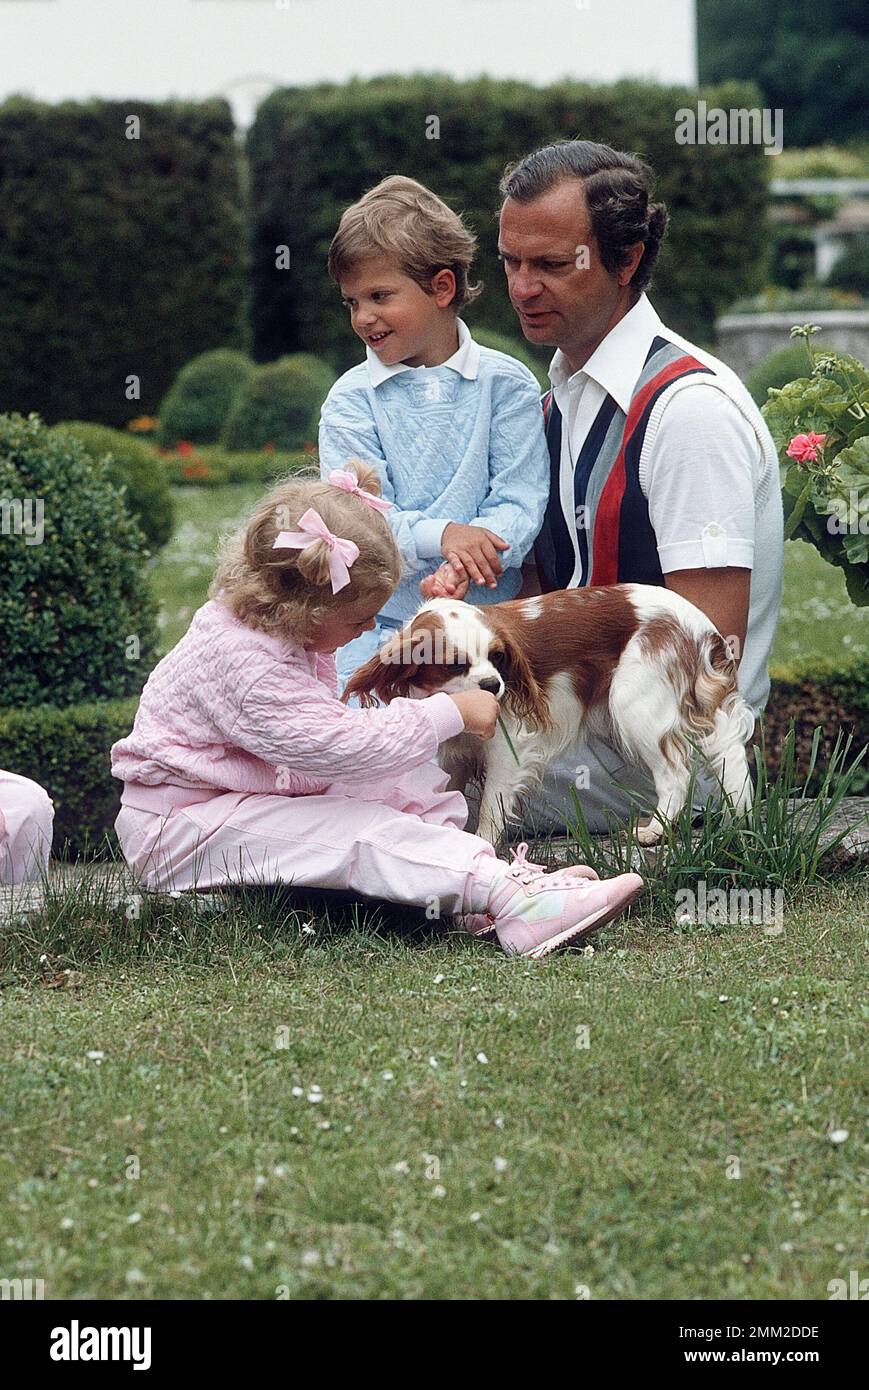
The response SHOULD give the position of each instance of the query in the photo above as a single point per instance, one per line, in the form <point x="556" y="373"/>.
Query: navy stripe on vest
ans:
<point x="553" y="549"/>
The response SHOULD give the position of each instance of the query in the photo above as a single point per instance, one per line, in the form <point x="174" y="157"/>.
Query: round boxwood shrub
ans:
<point x="279" y="405"/>
<point x="136" y="468"/>
<point x="202" y="395"/>
<point x="514" y="347"/>
<point x="77" y="621"/>
<point x="780" y="367"/>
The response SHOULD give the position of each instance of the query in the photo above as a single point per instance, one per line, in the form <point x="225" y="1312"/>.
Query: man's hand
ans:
<point x="722" y="594"/>
<point x="473" y="552"/>
<point x="444" y="583"/>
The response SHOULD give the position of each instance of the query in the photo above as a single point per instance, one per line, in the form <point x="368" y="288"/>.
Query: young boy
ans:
<point x="454" y="429"/>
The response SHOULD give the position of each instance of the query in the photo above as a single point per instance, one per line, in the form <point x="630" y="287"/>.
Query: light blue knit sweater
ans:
<point x="447" y="448"/>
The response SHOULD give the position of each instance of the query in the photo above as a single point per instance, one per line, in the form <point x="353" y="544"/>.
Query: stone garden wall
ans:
<point x="744" y="340"/>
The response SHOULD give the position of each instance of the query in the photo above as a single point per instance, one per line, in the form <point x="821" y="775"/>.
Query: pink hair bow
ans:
<point x="348" y="482"/>
<point x="313" y="528"/>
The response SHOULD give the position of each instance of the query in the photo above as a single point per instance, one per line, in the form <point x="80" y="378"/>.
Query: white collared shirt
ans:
<point x="708" y="469"/>
<point x="465" y="360"/>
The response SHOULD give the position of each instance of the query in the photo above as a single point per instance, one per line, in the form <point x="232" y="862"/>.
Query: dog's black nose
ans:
<point x="492" y="685"/>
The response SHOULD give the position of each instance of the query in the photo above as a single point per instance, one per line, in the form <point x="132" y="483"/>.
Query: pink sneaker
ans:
<point x="533" y="918"/>
<point x="523" y="870"/>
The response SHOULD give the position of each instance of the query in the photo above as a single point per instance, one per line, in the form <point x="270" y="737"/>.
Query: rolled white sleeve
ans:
<point x="700" y="472"/>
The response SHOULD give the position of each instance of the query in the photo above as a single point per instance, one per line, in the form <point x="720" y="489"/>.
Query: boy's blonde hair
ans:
<point x="401" y="219"/>
<point x="288" y="593"/>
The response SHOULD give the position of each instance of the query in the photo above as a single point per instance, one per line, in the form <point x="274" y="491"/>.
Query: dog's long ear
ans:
<point x="524" y="695"/>
<point x="387" y="674"/>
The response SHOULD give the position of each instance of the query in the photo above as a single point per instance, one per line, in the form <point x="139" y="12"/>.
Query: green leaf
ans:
<point x="793" y="479"/>
<point x="817" y="404"/>
<point x="856" y="547"/>
<point x="857" y="584"/>
<point x="847" y="506"/>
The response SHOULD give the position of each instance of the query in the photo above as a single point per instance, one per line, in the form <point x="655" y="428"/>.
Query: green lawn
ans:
<point x="817" y="616"/>
<point x="183" y="569"/>
<point x="162" y="1136"/>
<point x="304" y="1099"/>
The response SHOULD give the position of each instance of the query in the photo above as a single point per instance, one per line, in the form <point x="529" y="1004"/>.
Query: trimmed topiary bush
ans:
<point x="279" y="405"/>
<point x="135" y="468"/>
<point x="77" y="621"/>
<point x="202" y="395"/>
<point x="514" y="347"/>
<point x="776" y="370"/>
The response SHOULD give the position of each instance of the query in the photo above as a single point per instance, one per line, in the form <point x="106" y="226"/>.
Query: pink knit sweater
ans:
<point x="235" y="709"/>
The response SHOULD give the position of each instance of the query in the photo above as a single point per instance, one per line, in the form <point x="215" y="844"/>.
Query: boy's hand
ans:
<point x="444" y="583"/>
<point x="473" y="552"/>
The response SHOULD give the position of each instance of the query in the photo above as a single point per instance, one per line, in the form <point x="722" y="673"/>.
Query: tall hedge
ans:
<point x="118" y="256"/>
<point x="312" y="151"/>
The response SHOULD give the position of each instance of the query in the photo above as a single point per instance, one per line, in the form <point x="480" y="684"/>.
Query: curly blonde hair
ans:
<point x="288" y="593"/>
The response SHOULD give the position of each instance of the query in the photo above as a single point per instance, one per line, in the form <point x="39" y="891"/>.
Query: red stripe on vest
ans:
<point x="605" y="569"/>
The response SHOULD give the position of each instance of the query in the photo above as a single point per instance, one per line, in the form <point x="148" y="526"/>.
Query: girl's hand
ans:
<point x="480" y="711"/>
<point x="444" y="583"/>
<point x="473" y="552"/>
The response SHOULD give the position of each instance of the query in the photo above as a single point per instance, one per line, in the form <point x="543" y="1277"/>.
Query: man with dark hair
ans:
<point x="662" y="470"/>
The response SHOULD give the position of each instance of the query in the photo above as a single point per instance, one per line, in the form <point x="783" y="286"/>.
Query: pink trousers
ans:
<point x="26" y="825"/>
<point x="399" y="840"/>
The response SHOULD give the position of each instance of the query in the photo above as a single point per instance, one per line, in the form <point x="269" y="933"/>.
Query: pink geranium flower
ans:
<point x="804" y="447"/>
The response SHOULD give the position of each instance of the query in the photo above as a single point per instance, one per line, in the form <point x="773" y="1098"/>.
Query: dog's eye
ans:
<point x="456" y="668"/>
<point x="497" y="659"/>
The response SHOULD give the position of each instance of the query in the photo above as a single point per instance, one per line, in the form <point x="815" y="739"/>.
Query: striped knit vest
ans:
<point x="610" y="521"/>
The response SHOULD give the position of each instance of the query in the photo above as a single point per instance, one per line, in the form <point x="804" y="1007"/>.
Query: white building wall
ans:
<point x="241" y="49"/>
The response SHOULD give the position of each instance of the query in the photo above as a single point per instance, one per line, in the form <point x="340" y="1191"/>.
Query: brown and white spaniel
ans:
<point x="635" y="664"/>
